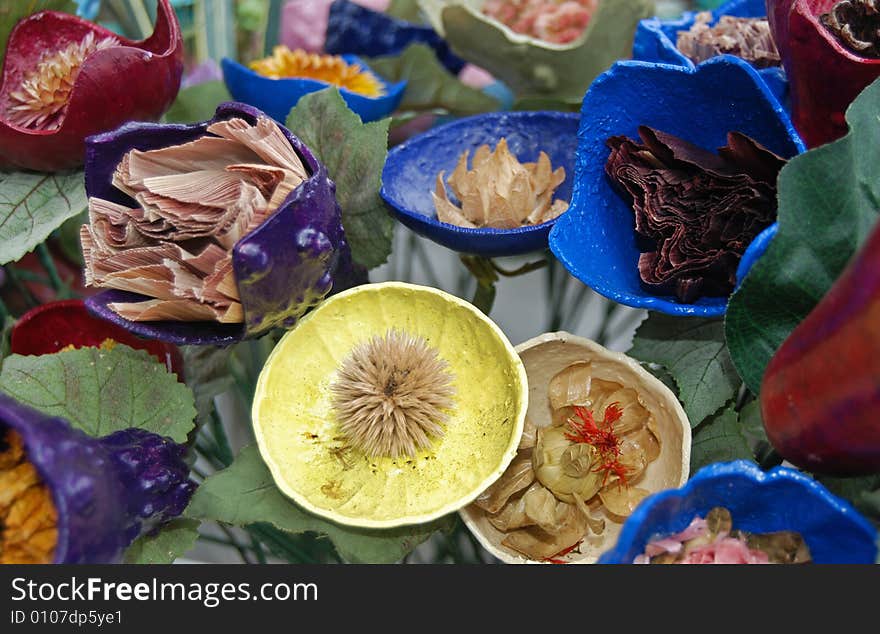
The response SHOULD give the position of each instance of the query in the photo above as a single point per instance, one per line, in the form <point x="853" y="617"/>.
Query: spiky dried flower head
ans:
<point x="392" y="395"/>
<point x="40" y="101"/>
<point x="285" y="63"/>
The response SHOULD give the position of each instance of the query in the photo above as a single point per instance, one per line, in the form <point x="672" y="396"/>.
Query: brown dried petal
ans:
<point x="748" y="38"/>
<point x="701" y="209"/>
<point x="856" y="23"/>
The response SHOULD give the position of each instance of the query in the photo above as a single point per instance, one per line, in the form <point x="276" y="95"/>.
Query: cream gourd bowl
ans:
<point x="544" y="357"/>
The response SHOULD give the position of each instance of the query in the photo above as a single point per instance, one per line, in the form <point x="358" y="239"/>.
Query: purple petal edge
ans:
<point x="107" y="491"/>
<point x="283" y="268"/>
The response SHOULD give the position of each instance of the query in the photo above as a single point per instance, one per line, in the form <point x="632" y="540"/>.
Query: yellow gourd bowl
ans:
<point x="299" y="437"/>
<point x="546" y="355"/>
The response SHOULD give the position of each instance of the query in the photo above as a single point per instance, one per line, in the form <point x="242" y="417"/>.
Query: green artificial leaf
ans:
<point x="406" y="10"/>
<point x="693" y="351"/>
<point x="245" y="494"/>
<point x="354" y="153"/>
<point x="862" y="492"/>
<point x="429" y="85"/>
<point x="173" y="540"/>
<point x="719" y="439"/>
<point x="11" y="11"/>
<point x="34" y="205"/>
<point x="68" y="240"/>
<point x="102" y="391"/>
<point x="197" y="103"/>
<point x="829" y="199"/>
<point x="755" y="434"/>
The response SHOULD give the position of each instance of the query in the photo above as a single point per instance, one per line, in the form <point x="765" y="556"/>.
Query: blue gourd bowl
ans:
<point x="595" y="239"/>
<point x="412" y="167"/>
<point x="276" y="97"/>
<point x="762" y="502"/>
<point x="655" y="41"/>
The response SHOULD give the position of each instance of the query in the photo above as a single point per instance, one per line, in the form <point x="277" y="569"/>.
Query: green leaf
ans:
<point x="245" y="494"/>
<point x="756" y="435"/>
<point x="68" y="237"/>
<point x="5" y="332"/>
<point x="354" y="153"/>
<point x="197" y="103"/>
<point x="693" y="351"/>
<point x="406" y="10"/>
<point x="829" y="199"/>
<point x="11" y="11"/>
<point x="173" y="540"/>
<point x="429" y="85"/>
<point x="863" y="492"/>
<point x="102" y="391"/>
<point x="719" y="439"/>
<point x="34" y="205"/>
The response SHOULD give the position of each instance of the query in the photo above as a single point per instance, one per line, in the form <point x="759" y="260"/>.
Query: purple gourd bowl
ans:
<point x="282" y="268"/>
<point x="106" y="491"/>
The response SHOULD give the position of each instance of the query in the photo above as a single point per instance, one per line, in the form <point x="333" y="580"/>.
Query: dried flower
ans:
<point x="392" y="395"/>
<point x="748" y="38"/>
<point x="196" y="201"/>
<point x="66" y="497"/>
<point x="556" y="21"/>
<point x="61" y="83"/>
<point x="701" y="210"/>
<point x="43" y="95"/>
<point x="389" y="404"/>
<point x="28" y="531"/>
<point x="332" y="69"/>
<point x="857" y="24"/>
<point x="498" y="191"/>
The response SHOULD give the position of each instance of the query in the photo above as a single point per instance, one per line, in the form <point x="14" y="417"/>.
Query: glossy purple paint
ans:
<point x="283" y="268"/>
<point x="107" y="491"/>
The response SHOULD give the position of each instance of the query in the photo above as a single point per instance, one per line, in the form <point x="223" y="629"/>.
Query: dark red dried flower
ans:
<point x="697" y="211"/>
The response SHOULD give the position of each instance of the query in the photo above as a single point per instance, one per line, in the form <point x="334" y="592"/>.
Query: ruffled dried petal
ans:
<point x="196" y="201"/>
<point x="700" y="210"/>
<point x="748" y="38"/>
<point x="856" y="23"/>
<point x="556" y="21"/>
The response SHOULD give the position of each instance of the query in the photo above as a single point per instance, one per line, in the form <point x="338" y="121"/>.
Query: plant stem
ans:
<point x="47" y="263"/>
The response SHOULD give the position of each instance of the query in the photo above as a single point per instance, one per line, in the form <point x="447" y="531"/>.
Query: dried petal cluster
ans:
<point x="41" y="100"/>
<point x="748" y="38"/>
<point x="28" y="519"/>
<point x="556" y="21"/>
<point x="195" y="201"/>
<point x="713" y="540"/>
<point x="284" y="63"/>
<point x="498" y="191"/>
<point x="392" y="395"/>
<point x="572" y="475"/>
<point x="697" y="210"/>
<point x="856" y="23"/>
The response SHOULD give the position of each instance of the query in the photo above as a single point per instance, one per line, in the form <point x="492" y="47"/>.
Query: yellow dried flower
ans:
<point x="285" y="64"/>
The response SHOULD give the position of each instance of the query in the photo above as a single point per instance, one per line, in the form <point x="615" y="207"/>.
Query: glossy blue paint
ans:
<point x="276" y="97"/>
<point x="655" y="41"/>
<point x="756" y="250"/>
<point x="761" y="502"/>
<point x="595" y="239"/>
<point x="412" y="167"/>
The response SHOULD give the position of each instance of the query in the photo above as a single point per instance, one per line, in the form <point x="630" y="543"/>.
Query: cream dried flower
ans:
<point x="499" y="191"/>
